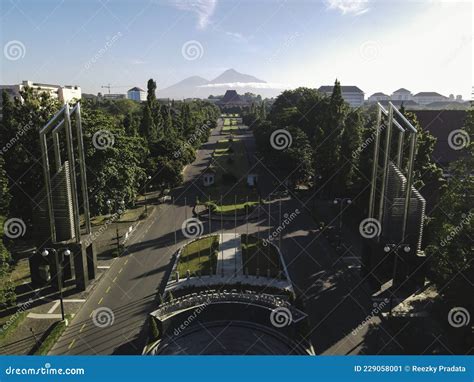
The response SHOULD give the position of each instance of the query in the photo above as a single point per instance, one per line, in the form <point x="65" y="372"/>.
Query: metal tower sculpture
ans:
<point x="396" y="209"/>
<point x="61" y="191"/>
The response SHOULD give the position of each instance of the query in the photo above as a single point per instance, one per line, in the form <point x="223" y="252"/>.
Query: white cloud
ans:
<point x="204" y="9"/>
<point x="354" y="7"/>
<point x="254" y="85"/>
<point x="239" y="37"/>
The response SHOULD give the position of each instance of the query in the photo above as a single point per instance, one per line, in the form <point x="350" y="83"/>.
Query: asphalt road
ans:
<point x="334" y="297"/>
<point x="128" y="291"/>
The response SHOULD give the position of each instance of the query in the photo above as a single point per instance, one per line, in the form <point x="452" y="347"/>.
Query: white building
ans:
<point x="425" y="98"/>
<point x="351" y="94"/>
<point x="402" y="95"/>
<point x="379" y="97"/>
<point x="64" y="94"/>
<point x="136" y="94"/>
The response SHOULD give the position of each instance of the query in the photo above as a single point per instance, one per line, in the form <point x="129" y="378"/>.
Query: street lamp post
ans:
<point x="341" y="202"/>
<point x="109" y="206"/>
<point x="46" y="253"/>
<point x="146" y="202"/>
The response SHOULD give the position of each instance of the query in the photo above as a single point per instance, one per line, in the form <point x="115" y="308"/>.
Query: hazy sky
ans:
<point x="378" y="45"/>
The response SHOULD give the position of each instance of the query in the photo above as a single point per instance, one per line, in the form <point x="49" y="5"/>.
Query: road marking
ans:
<point x="120" y="271"/>
<point x="108" y="290"/>
<point x="126" y="261"/>
<point x="82" y="328"/>
<point x="44" y="316"/>
<point x="90" y="315"/>
<point x="71" y="344"/>
<point x="103" y="266"/>
<point x="115" y="278"/>
<point x="100" y="301"/>
<point x="53" y="308"/>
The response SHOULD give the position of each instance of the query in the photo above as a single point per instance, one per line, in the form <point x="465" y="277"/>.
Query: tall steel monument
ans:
<point x="396" y="212"/>
<point x="59" y="211"/>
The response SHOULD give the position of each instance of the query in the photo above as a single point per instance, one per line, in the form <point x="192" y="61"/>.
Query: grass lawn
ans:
<point x="199" y="256"/>
<point x="231" y="166"/>
<point x="229" y="209"/>
<point x="20" y="272"/>
<point x="130" y="215"/>
<point x="256" y="255"/>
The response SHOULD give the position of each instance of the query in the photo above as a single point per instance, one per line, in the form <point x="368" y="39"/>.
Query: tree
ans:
<point x="147" y="126"/>
<point x="7" y="293"/>
<point x="350" y="141"/>
<point x="4" y="193"/>
<point x="114" y="170"/>
<point x="22" y="119"/>
<point x="451" y="229"/>
<point x="327" y="153"/>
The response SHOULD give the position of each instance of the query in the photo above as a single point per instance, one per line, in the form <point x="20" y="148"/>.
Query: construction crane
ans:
<point x="109" y="86"/>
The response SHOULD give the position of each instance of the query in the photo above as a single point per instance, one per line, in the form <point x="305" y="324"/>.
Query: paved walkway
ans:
<point x="229" y="258"/>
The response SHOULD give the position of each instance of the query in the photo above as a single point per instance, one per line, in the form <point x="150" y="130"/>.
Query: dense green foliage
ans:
<point x="324" y="133"/>
<point x="451" y="230"/>
<point x="126" y="144"/>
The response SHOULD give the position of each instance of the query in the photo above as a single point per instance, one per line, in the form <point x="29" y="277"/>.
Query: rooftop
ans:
<point x="428" y="94"/>
<point x="402" y="90"/>
<point x="344" y="89"/>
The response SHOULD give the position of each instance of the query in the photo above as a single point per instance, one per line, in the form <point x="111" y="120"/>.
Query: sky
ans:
<point x="378" y="45"/>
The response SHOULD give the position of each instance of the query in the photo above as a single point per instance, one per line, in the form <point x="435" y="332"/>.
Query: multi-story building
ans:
<point x="402" y="94"/>
<point x="136" y="94"/>
<point x="425" y="98"/>
<point x="378" y="97"/>
<point x="351" y="94"/>
<point x="65" y="93"/>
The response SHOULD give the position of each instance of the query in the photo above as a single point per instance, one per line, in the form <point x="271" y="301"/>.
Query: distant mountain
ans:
<point x="233" y="76"/>
<point x="199" y="87"/>
<point x="187" y="88"/>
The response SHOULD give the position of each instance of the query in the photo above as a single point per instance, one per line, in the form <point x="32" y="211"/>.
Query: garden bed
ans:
<point x="199" y="257"/>
<point x="256" y="255"/>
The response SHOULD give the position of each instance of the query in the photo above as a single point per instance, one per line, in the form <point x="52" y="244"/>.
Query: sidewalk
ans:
<point x="39" y="308"/>
<point x="229" y="258"/>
